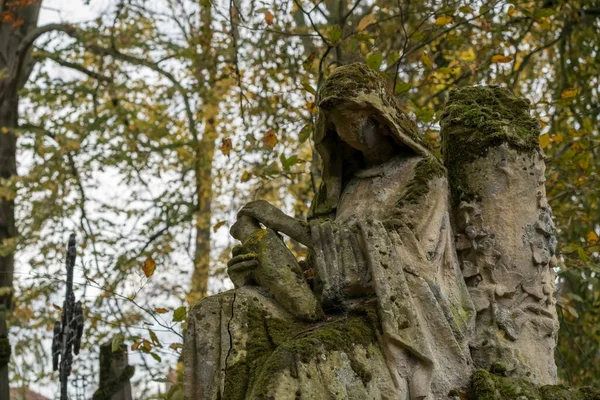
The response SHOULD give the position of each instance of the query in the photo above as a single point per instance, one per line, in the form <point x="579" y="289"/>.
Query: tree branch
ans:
<point x="77" y="67"/>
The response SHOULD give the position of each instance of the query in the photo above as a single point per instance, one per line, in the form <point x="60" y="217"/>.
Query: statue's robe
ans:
<point x="391" y="238"/>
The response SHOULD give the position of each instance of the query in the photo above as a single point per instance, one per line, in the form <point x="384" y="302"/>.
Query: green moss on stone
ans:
<point x="478" y="118"/>
<point x="488" y="386"/>
<point x="274" y="345"/>
<point x="425" y="171"/>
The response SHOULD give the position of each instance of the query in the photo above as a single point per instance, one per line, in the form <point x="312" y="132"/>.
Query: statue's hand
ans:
<point x="273" y="218"/>
<point x="241" y="266"/>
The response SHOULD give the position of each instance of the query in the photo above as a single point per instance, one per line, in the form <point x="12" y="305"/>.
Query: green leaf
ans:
<point x="571" y="310"/>
<point x="363" y="37"/>
<point x="305" y="133"/>
<point x="335" y="34"/>
<point x="177" y="395"/>
<point x="154" y="338"/>
<point x="374" y="60"/>
<point x="117" y="341"/>
<point x="156" y="357"/>
<point x="179" y="314"/>
<point x="401" y="87"/>
<point x="544" y="12"/>
<point x="287" y="163"/>
<point x="425" y="114"/>
<point x="581" y="253"/>
<point x="309" y="88"/>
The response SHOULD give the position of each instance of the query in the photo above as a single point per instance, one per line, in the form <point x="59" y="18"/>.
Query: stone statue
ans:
<point x="380" y="309"/>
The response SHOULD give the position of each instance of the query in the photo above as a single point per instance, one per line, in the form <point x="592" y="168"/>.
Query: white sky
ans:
<point x="72" y="11"/>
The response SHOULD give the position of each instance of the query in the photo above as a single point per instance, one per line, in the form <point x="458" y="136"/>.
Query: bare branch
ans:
<point x="77" y="67"/>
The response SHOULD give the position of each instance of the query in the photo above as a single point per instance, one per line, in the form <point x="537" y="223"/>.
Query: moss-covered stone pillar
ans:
<point x="504" y="230"/>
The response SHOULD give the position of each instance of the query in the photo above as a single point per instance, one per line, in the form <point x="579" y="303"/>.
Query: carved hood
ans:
<point x="355" y="85"/>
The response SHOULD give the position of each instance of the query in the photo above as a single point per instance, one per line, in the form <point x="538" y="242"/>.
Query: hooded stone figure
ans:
<point x="387" y="314"/>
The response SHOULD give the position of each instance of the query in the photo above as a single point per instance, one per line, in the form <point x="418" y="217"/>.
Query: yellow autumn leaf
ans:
<point x="468" y="55"/>
<point x="592" y="237"/>
<point x="426" y="60"/>
<point x="146" y="345"/>
<point x="218" y="225"/>
<point x="4" y="130"/>
<point x="585" y="163"/>
<point x="311" y="106"/>
<point x="136" y="345"/>
<point x="176" y="346"/>
<point x="226" y="146"/>
<point x="72" y="145"/>
<point x="569" y="93"/>
<point x="269" y="18"/>
<point x="365" y="22"/>
<point x="511" y="11"/>
<point x="443" y="20"/>
<point x="269" y="139"/>
<point x="558" y="138"/>
<point x="545" y="25"/>
<point x="544" y="140"/>
<point x="149" y="267"/>
<point x="499" y="58"/>
<point x="161" y="310"/>
<point x="246" y="176"/>
<point x="543" y="123"/>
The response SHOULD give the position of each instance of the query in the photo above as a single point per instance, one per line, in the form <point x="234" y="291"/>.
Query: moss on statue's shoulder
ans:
<point x="488" y="386"/>
<point x="427" y="169"/>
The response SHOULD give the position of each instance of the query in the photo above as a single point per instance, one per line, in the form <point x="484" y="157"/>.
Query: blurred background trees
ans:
<point x="145" y="129"/>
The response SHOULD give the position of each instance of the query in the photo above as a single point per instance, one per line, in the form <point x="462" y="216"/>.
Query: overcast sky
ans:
<point x="71" y="10"/>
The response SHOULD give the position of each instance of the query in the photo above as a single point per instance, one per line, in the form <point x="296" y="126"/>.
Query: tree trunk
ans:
<point x="204" y="194"/>
<point x="18" y="22"/>
<point x="204" y="155"/>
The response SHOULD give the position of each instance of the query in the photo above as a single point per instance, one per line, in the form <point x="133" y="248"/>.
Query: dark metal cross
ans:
<point x="67" y="333"/>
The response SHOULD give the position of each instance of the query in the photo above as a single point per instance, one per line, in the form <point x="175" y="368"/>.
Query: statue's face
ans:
<point x="357" y="128"/>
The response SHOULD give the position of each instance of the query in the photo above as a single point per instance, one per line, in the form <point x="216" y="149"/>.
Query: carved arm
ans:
<point x="273" y="218"/>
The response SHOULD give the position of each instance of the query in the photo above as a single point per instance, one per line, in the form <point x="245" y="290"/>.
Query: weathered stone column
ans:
<point x="504" y="227"/>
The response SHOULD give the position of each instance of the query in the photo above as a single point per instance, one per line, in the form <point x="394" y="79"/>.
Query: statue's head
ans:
<point x="356" y="105"/>
<point x="358" y="114"/>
